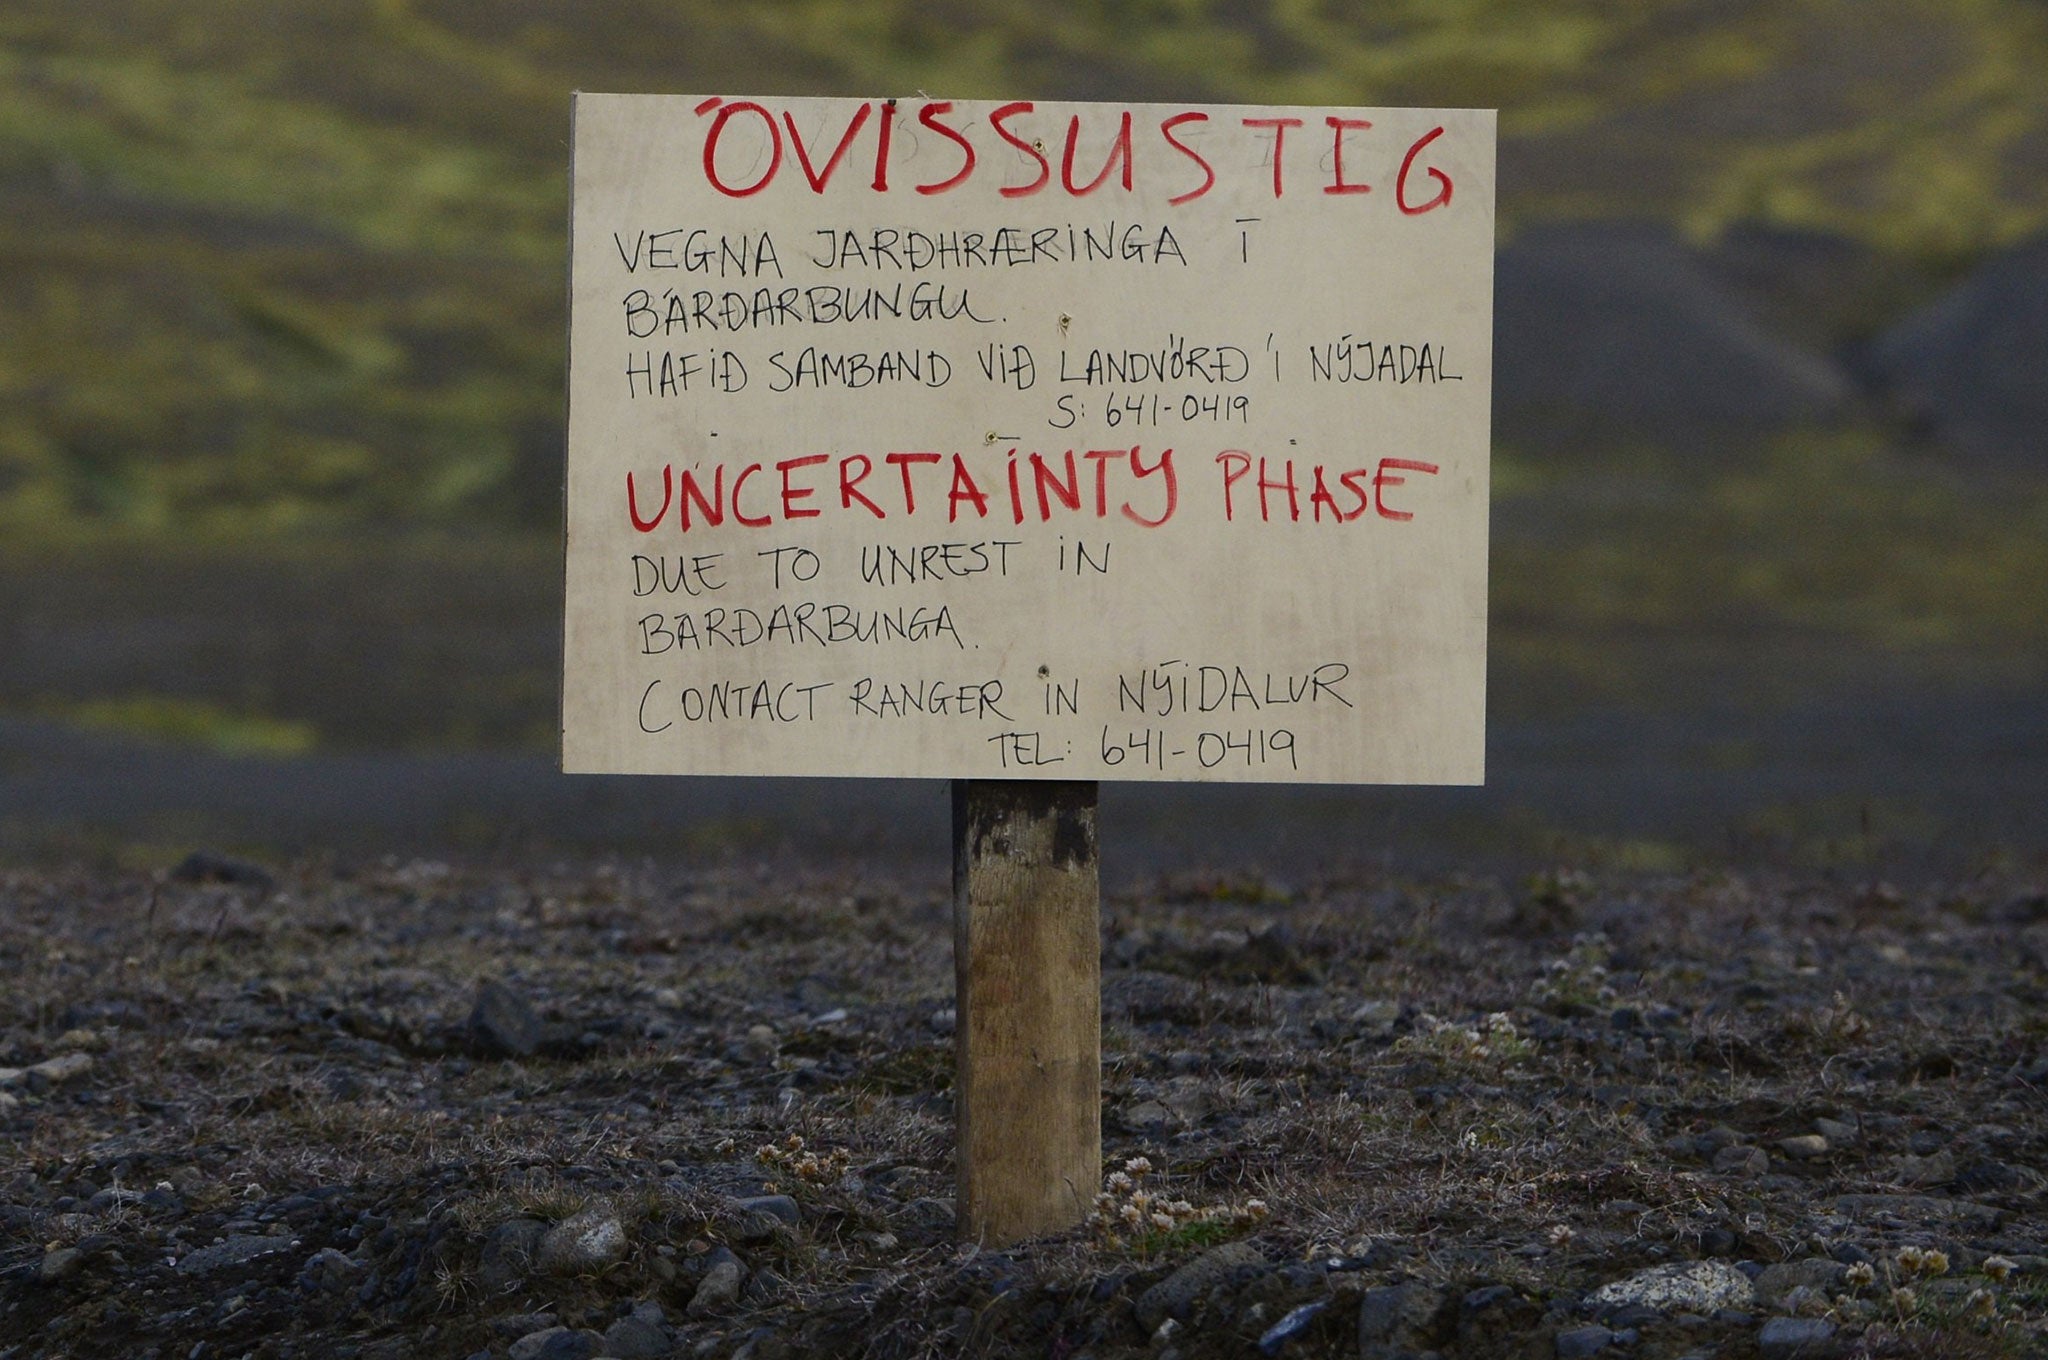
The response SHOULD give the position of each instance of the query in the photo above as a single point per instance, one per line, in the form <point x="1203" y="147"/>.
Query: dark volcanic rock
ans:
<point x="235" y="1251"/>
<point x="1968" y="366"/>
<point x="204" y="866"/>
<point x="1176" y="1294"/>
<point x="1397" y="1317"/>
<point x="503" y="1025"/>
<point x="1797" y="1339"/>
<point x="509" y="1254"/>
<point x="1621" y="330"/>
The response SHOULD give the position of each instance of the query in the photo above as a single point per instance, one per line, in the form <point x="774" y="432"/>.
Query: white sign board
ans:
<point x="1028" y="440"/>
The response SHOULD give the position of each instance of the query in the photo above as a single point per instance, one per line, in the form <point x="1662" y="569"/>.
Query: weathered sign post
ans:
<point x="1028" y="445"/>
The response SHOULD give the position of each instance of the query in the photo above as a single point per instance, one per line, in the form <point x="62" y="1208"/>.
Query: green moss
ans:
<point x="188" y="722"/>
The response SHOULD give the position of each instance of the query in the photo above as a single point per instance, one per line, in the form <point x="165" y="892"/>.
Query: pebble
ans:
<point x="49" y="1072"/>
<point x="758" y="1224"/>
<point x="1296" y="1321"/>
<point x="503" y="1025"/>
<point x="81" y="1039"/>
<point x="760" y="1045"/>
<point x="1787" y="1338"/>
<point x="590" y="1240"/>
<point x="1805" y="1301"/>
<point x="1581" y="1341"/>
<point x="508" y="1254"/>
<point x="1804" y="1147"/>
<point x="783" y="1210"/>
<point x="329" y="1270"/>
<point x="1691" y="1287"/>
<point x="557" y="1343"/>
<point x="1777" y="1282"/>
<point x="636" y="1338"/>
<point x="1839" y="1133"/>
<point x="205" y="866"/>
<point x="719" y="1288"/>
<point x="1738" y="1160"/>
<point x="1174" y="1295"/>
<point x="60" y="1265"/>
<point x="1916" y="1208"/>
<point x="1396" y="1317"/>
<point x="235" y="1251"/>
<point x="1927" y="1172"/>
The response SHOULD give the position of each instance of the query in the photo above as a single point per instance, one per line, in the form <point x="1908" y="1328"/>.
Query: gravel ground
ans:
<point x="543" y="1111"/>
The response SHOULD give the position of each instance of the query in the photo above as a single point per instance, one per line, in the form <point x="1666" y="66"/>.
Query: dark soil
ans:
<point x="409" y="1110"/>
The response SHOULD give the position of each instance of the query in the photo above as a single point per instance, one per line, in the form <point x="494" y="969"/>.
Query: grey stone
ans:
<point x="1787" y="1338"/>
<point x="1935" y="1170"/>
<point x="590" y="1240"/>
<point x="1397" y="1317"/>
<point x="516" y="1325"/>
<point x="508" y="1254"/>
<point x="1778" y="1281"/>
<point x="1176" y="1294"/>
<point x="636" y="1338"/>
<point x="557" y="1343"/>
<point x="1839" y="1133"/>
<point x="1805" y="1300"/>
<point x="1146" y="1116"/>
<point x="235" y="1251"/>
<point x="1296" y="1321"/>
<point x="1804" y="1147"/>
<point x="329" y="1270"/>
<point x="1685" y="1287"/>
<point x="763" y="1216"/>
<point x="1917" y="1208"/>
<point x="49" y="1072"/>
<point x="760" y="1045"/>
<point x="205" y="866"/>
<point x="503" y="1025"/>
<point x="1738" y="1160"/>
<point x="60" y="1265"/>
<point x="1582" y="1341"/>
<point x="719" y="1288"/>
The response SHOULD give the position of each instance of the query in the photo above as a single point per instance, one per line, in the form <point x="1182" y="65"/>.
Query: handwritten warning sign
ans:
<point x="1028" y="440"/>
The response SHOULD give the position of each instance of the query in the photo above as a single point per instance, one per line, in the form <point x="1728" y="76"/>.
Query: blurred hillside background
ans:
<point x="281" y="371"/>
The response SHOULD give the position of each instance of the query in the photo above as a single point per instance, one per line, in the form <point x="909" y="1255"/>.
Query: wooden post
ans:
<point x="1027" y="956"/>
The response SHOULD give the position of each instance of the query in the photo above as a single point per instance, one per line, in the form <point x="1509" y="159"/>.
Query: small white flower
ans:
<point x="1138" y="1166"/>
<point x="1999" y="1268"/>
<point x="1119" y="1182"/>
<point x="1163" y="1221"/>
<point x="1860" y="1275"/>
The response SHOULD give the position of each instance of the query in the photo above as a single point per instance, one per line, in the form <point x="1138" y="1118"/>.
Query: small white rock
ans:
<point x="589" y="1240"/>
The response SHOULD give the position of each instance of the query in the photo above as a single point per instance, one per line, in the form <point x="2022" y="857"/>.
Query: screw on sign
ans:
<point x="1027" y="445"/>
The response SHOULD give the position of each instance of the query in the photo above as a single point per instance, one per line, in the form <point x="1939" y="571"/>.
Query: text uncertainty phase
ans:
<point x="942" y="439"/>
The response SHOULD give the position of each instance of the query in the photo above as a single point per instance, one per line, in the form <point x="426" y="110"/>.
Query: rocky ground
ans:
<point x="541" y="1112"/>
